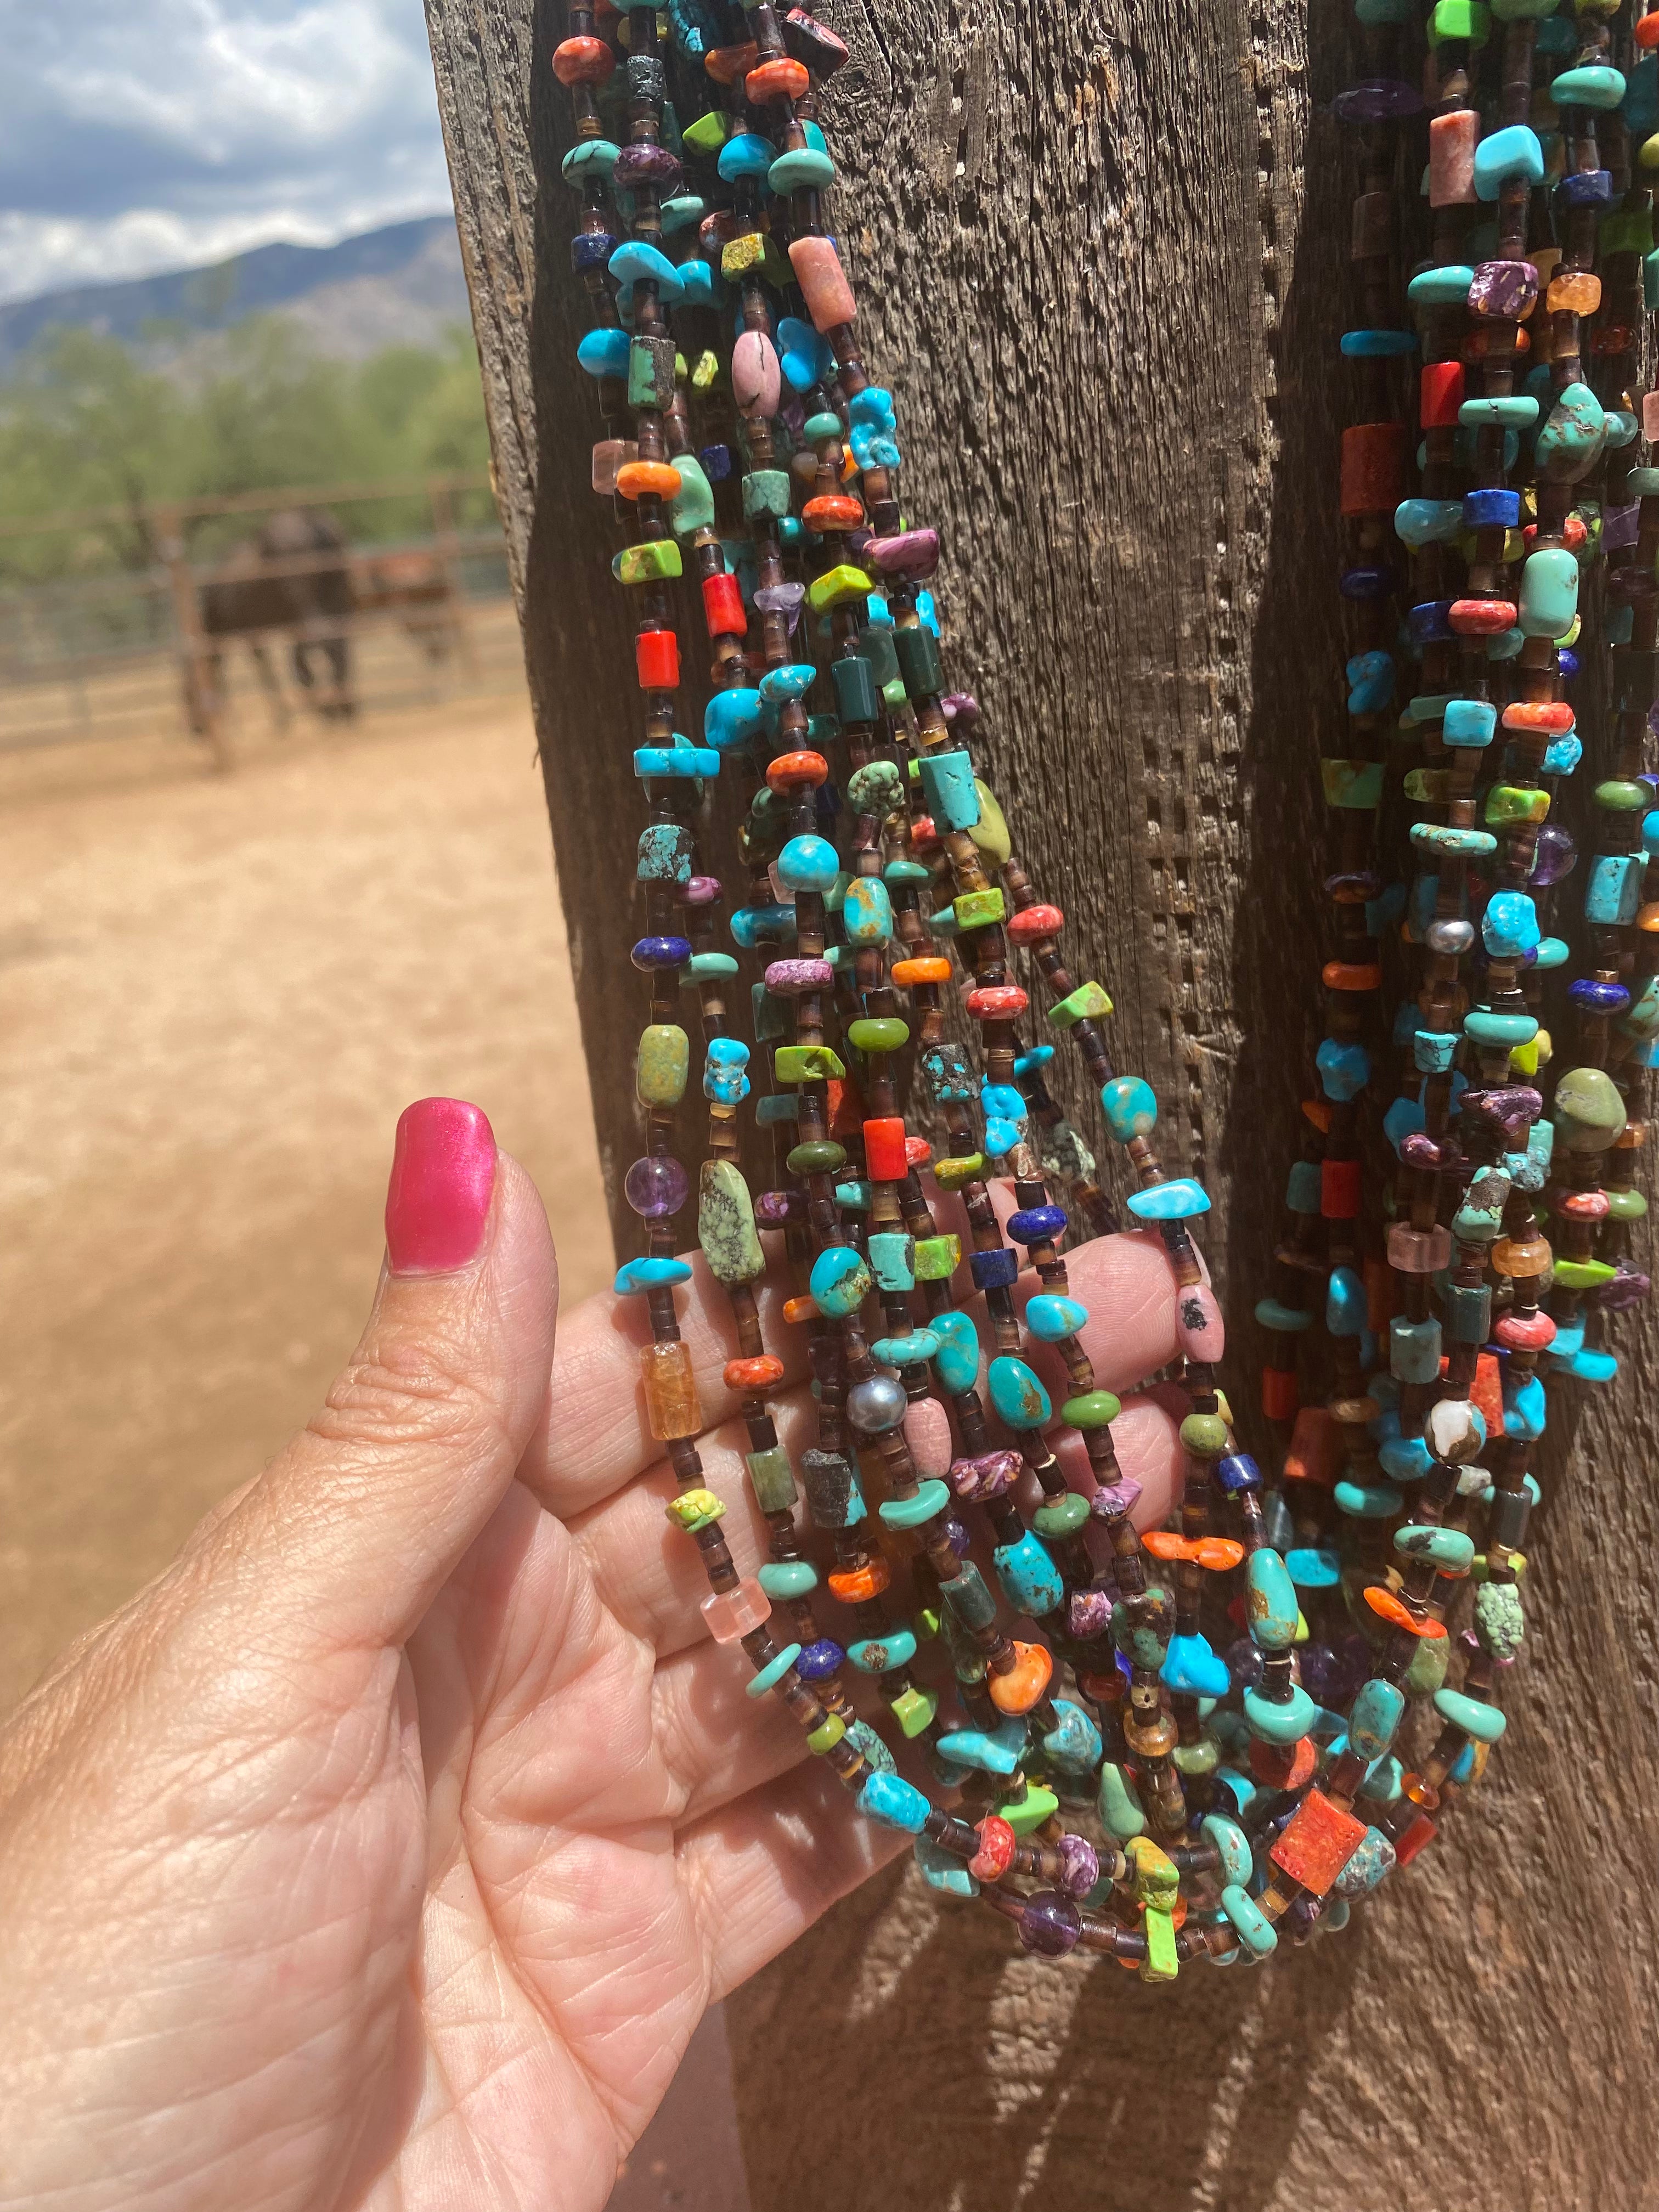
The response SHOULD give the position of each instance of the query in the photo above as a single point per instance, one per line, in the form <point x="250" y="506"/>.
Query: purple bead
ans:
<point x="790" y="978"/>
<point x="1377" y="99"/>
<point x="1244" y="1664"/>
<point x="1419" y="1151"/>
<point x="993" y="1475"/>
<point x="1618" y="525"/>
<point x="644" y="164"/>
<point x="1557" y="857"/>
<point x="1088" y="1613"/>
<point x="699" y="890"/>
<point x="1324" y="1677"/>
<point x="1366" y="583"/>
<point x="961" y="710"/>
<point x="819" y="1660"/>
<point x="1360" y="884"/>
<point x="1113" y="1499"/>
<point x="774" y="1208"/>
<point x="1506" y="289"/>
<point x="912" y="553"/>
<point x="661" y="952"/>
<point x="1079" y="1865"/>
<point x="1511" y="1107"/>
<point x="1050" y="1924"/>
<point x="956" y="1536"/>
<point x="656" y="1187"/>
<point x="780" y="599"/>
<point x="1566" y="660"/>
<point x="1599" y="997"/>
<point x="1033" y="1222"/>
<point x="1628" y="1288"/>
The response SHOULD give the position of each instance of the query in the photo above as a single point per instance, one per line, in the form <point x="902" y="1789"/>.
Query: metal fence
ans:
<point x="210" y="640"/>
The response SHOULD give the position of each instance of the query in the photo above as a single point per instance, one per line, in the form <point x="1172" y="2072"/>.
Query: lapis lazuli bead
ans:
<point x="1178" y="1199"/>
<point x="1429" y="622"/>
<point x="661" y="952"/>
<point x="1237" y="1472"/>
<point x="820" y="1660"/>
<point x="1033" y="1223"/>
<point x="997" y="1270"/>
<point x="1368" y="582"/>
<point x="1599" y="997"/>
<point x="1492" y="509"/>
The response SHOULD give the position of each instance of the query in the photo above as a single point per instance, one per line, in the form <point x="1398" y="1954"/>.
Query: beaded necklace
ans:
<point x="1225" y="1797"/>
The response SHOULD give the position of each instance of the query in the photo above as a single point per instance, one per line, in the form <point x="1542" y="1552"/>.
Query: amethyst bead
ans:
<point x="1628" y="1288"/>
<point x="780" y="599"/>
<point x="1244" y="1664"/>
<point x="1050" y="1924"/>
<point x="956" y="1536"/>
<point x="913" y="553"/>
<point x="1505" y="289"/>
<point x="961" y="710"/>
<point x="656" y="1187"/>
<point x="1377" y="99"/>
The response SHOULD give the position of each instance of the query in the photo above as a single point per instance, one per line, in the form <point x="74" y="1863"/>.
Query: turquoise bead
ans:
<point x="733" y="718"/>
<point x="1446" y="287"/>
<point x="604" y="353"/>
<point x="931" y="1499"/>
<point x="773" y="1671"/>
<point x="1518" y="411"/>
<point x="1237" y="1864"/>
<point x="650" y="1275"/>
<point x="1130" y="1106"/>
<point x="1302" y="1193"/>
<point x="1121" y="1814"/>
<point x="1343" y="1069"/>
<point x="1192" y="1668"/>
<point x="598" y="154"/>
<point x="912" y="1351"/>
<point x="803" y="170"/>
<point x="1249" y="1923"/>
<point x="1486" y="1723"/>
<point x="1280" y="1724"/>
<point x="994" y="1751"/>
<point x="1433" y="1050"/>
<point x="1510" y="924"/>
<point x="1484" y="1027"/>
<point x="1074" y="1741"/>
<point x="1438" y="837"/>
<point x="634" y="260"/>
<point x="792" y="681"/>
<point x="682" y="760"/>
<point x="866" y="911"/>
<point x="880" y="1654"/>
<point x="1344" y="1303"/>
<point x="1031" y="1580"/>
<point x="1375" y="1718"/>
<point x="894" y="1802"/>
<point x="853" y="1197"/>
<point x="948" y="780"/>
<point x="1374" y="345"/>
<point x="1502" y="155"/>
<point x="893" y="1256"/>
<point x="1571" y="443"/>
<point x="1270" y="1600"/>
<point x="1590" y="86"/>
<point x="839" y="1281"/>
<point x="1614" y="891"/>
<point x="808" y="864"/>
<point x="1050" y="1318"/>
<point x="1016" y="1393"/>
<point x="1470" y="721"/>
<point x="942" y="1869"/>
<point x="1311" y="1567"/>
<point x="788" y="1578"/>
<point x="1289" y="1321"/>
<point x="1549" y="592"/>
<point x="1372" y="1859"/>
<point x="683" y="212"/>
<point x="958" y="1359"/>
<point x="746" y="154"/>
<point x="1178" y="1199"/>
<point x="1370" y="679"/>
<point x="1451" y="1550"/>
<point x="1413" y="1350"/>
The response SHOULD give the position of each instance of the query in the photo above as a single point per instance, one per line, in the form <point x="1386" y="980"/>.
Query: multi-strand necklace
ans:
<point x="1115" y="1782"/>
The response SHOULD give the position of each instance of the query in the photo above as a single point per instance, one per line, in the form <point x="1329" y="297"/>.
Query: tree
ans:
<point x="1100" y="254"/>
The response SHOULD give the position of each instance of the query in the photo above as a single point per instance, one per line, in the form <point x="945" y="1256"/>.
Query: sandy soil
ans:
<point x="215" y="996"/>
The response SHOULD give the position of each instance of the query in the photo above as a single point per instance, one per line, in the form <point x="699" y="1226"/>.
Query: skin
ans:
<point x="387" y="1848"/>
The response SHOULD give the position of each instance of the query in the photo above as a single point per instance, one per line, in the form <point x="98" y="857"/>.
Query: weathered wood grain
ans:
<point x="1099" y="257"/>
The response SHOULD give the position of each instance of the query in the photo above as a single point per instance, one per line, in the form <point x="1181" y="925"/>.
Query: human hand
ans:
<point x="387" y="1848"/>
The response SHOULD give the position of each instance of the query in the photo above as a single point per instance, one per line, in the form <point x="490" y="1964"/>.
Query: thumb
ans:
<point x="366" y="1514"/>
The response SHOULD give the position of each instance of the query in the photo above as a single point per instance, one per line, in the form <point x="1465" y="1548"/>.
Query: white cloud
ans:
<point x="153" y="137"/>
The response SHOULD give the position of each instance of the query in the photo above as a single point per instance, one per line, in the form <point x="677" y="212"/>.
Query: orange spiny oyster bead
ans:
<point x="791" y="770"/>
<point x="1025" y="1681"/>
<point x="1482" y="617"/>
<point x="1283" y="1766"/>
<point x="1398" y="1614"/>
<point x="1552" y="715"/>
<point x="762" y="1373"/>
<point x="643" y="479"/>
<point x="1350" y="975"/>
<point x="832" y="511"/>
<point x="725" y="65"/>
<point x="1318" y="1842"/>
<point x="926" y="968"/>
<point x="779" y="79"/>
<point x="853" y="1585"/>
<point x="583" y="61"/>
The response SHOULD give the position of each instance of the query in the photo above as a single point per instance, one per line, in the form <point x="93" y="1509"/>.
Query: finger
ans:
<point x="353" y="1529"/>
<point x="762" y="1870"/>
<point x="718" y="1742"/>
<point x="652" y="1581"/>
<point x="600" y="1437"/>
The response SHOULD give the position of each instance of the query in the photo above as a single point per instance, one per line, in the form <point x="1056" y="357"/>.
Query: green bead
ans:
<point x="979" y="910"/>
<point x="766" y="492"/>
<point x="1428" y="1668"/>
<point x="1121" y="1813"/>
<point x="788" y="1578"/>
<point x="1204" y="1435"/>
<point x="937" y="1258"/>
<point x="1587" y="1110"/>
<point x="708" y="133"/>
<point x="772" y="1478"/>
<point x="1061" y="1516"/>
<point x="1498" y="1620"/>
<point x="692" y="507"/>
<point x="1582" y="1274"/>
<point x="661" y="1064"/>
<point x="1486" y="1723"/>
<point x="817" y="1156"/>
<point x="651" y="372"/>
<point x="1624" y="1205"/>
<point x="837" y="587"/>
<point x="1090" y="1409"/>
<point x="726" y="1224"/>
<point x="807" y="1063"/>
<point x="1619" y="796"/>
<point x="653" y="562"/>
<point x="817" y="428"/>
<point x="1036" y="1806"/>
<point x="1509" y="802"/>
<point x="878" y="1033"/>
<point x="1449" y="1549"/>
<point x="914" y="1709"/>
<point x="1467" y="20"/>
<point x="1087" y="1003"/>
<point x="990" y="832"/>
<point x="828" y="1733"/>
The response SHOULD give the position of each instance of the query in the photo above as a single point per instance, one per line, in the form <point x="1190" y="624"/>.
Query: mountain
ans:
<point x="401" y="285"/>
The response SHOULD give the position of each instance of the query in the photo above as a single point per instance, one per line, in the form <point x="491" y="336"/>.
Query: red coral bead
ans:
<point x="722" y="607"/>
<point x="995" y="1854"/>
<point x="883" y="1149"/>
<point x="997" y="1002"/>
<point x="657" y="657"/>
<point x="1032" y="923"/>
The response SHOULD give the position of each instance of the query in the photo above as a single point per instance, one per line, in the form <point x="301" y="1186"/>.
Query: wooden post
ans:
<point x="1100" y="255"/>
<point x="202" y="707"/>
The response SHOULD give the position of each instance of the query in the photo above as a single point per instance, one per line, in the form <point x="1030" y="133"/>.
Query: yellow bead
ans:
<point x="695" y="1509"/>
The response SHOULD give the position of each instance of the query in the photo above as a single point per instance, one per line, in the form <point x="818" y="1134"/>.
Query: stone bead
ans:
<point x="1375" y="1718"/>
<point x="1503" y="154"/>
<point x="947" y="779"/>
<point x="1277" y="1722"/>
<point x="1588" y="1113"/>
<point x="1090" y="1409"/>
<point x="1016" y="1393"/>
<point x="1317" y="1843"/>
<point x="671" y="1390"/>
<point x="1179" y="1200"/>
<point x="1061" y="1516"/>
<point x="840" y="1281"/>
<point x="1121" y="1812"/>
<point x="882" y="1655"/>
<point x="774" y="1672"/>
<point x="1571" y="441"/>
<point x="969" y="1598"/>
<point x="997" y="1751"/>
<point x="867" y="913"/>
<point x="957" y="1360"/>
<point x="889" y="1798"/>
<point x="650" y="1273"/>
<point x="772" y="1478"/>
<point x="823" y="285"/>
<point x="1270" y="1600"/>
<point x="1024" y="1685"/>
<point x="1087" y="1003"/>
<point x="1191" y="1669"/>
<point x="1029" y="1579"/>
<point x="695" y="1509"/>
<point x="1485" y="1723"/>
<point x="661" y="1064"/>
<point x="1591" y="87"/>
<point x="1549" y="592"/>
<point x="1131" y="1107"/>
<point x="989" y="1475"/>
<point x="788" y="1578"/>
<point x="927" y="1433"/>
<point x="1248" y="1922"/>
<point x="733" y="1613"/>
<point x="1413" y="1349"/>
<point x="1449" y="1550"/>
<point x="726" y="1224"/>
<point x="1051" y="1318"/>
<point x="1050" y="1924"/>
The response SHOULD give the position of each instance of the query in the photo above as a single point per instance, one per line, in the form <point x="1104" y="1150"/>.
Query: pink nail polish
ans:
<point x="443" y="1176"/>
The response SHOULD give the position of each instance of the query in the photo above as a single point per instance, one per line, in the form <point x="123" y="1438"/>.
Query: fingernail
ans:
<point x="443" y="1175"/>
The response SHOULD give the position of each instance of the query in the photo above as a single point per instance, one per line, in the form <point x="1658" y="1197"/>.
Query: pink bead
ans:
<point x="1199" y="1329"/>
<point x="1651" y="415"/>
<point x="755" y="384"/>
<point x="928" y="1433"/>
<point x="733" y="1613"/>
<point x="1418" y="1251"/>
<point x="1451" y="158"/>
<point x="610" y="455"/>
<point x="823" y="285"/>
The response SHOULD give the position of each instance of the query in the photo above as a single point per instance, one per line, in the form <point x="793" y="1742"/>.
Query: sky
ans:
<point x="143" y="135"/>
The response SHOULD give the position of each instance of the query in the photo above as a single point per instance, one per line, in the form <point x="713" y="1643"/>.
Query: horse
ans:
<point x="270" y="583"/>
